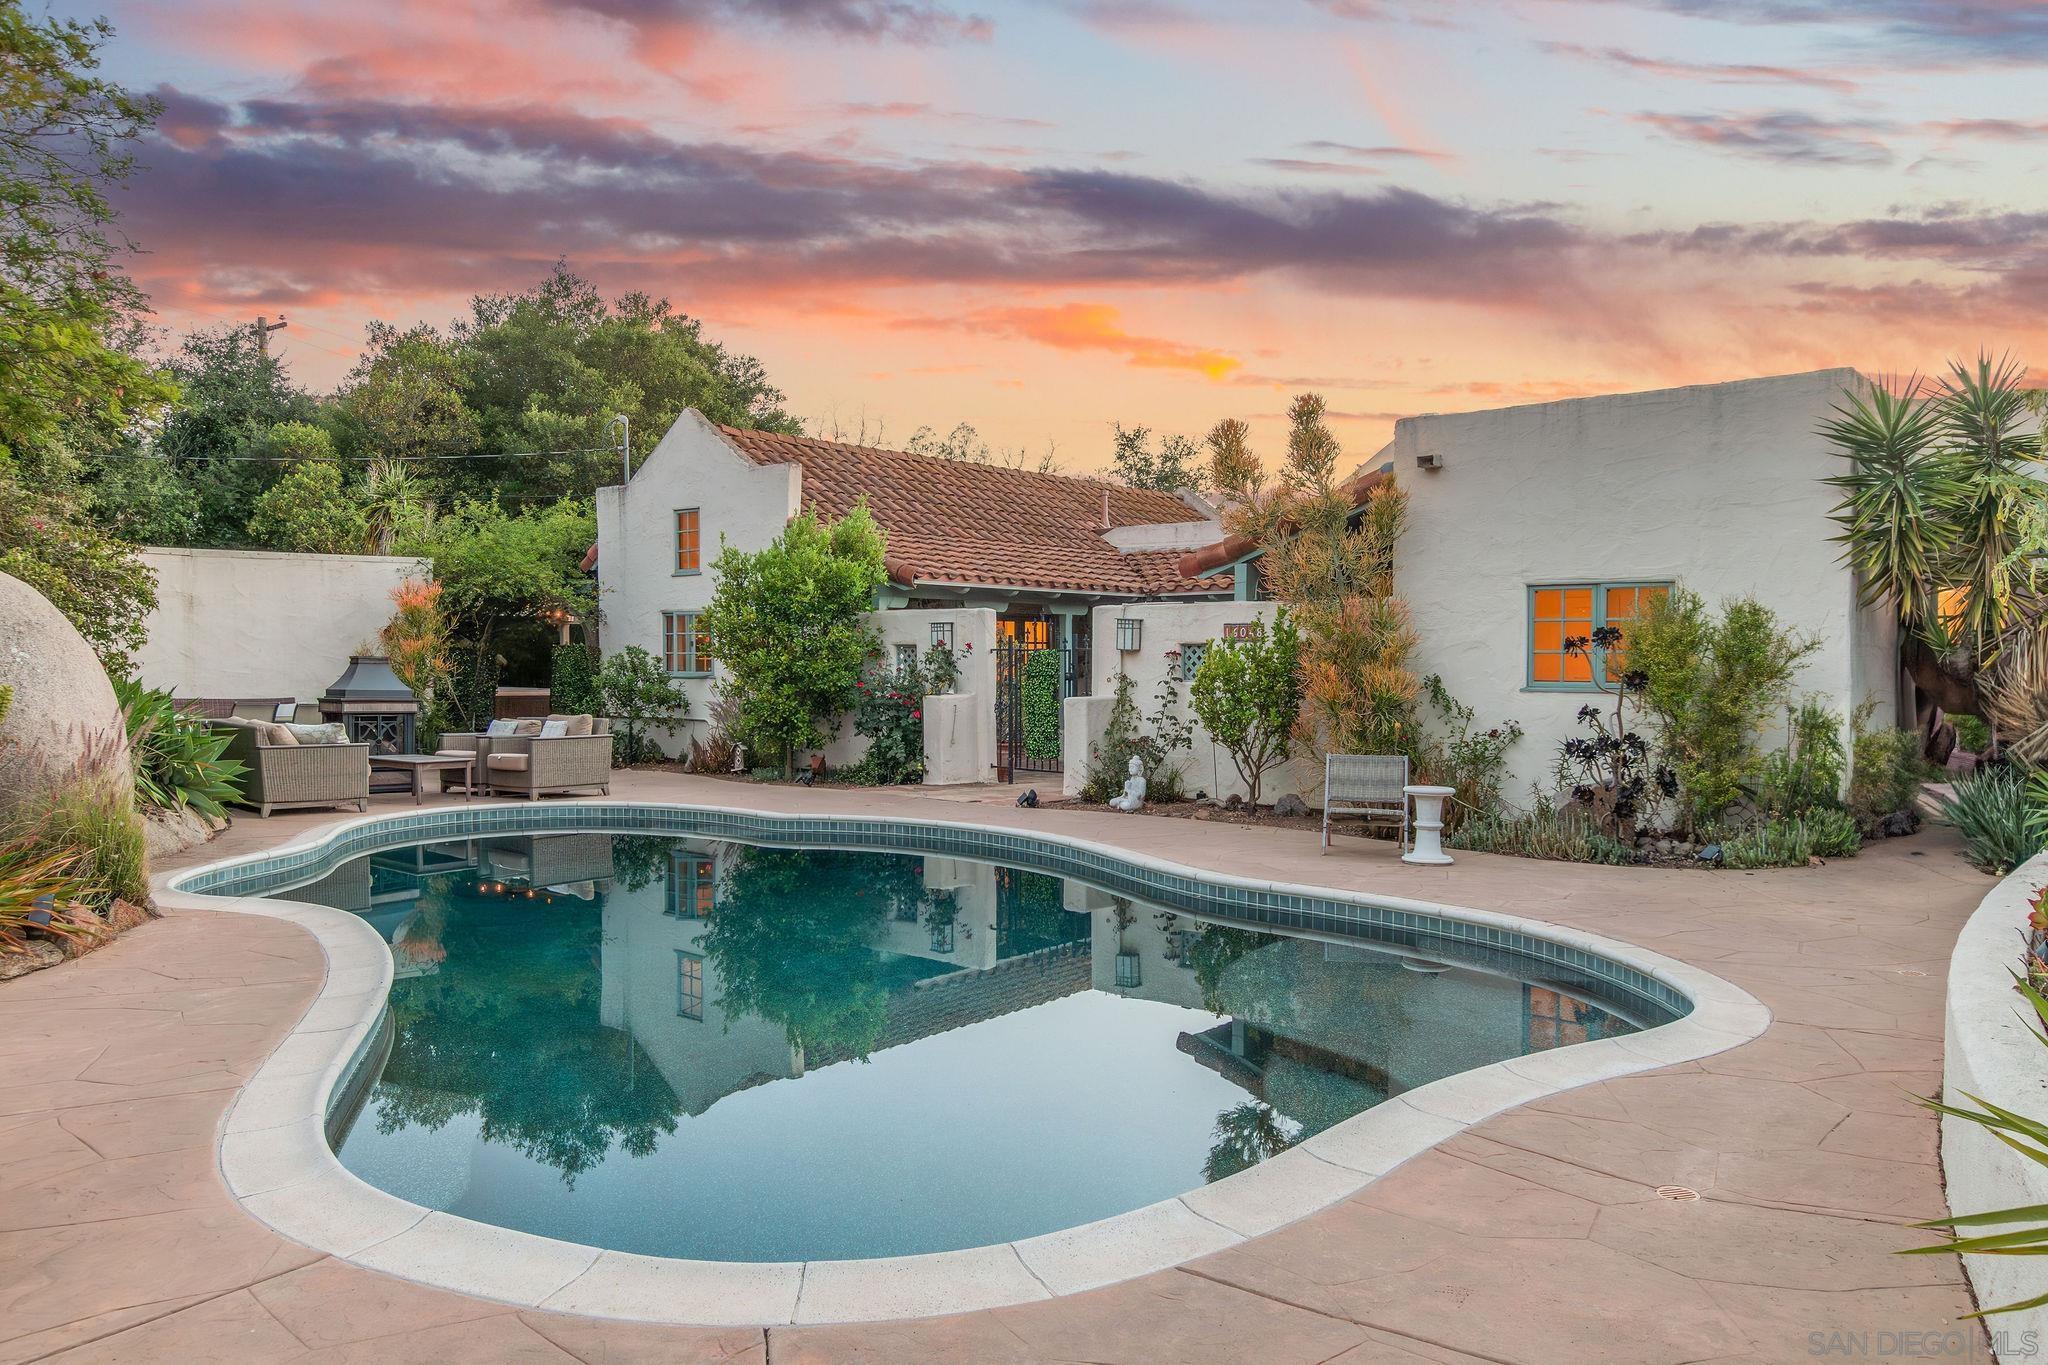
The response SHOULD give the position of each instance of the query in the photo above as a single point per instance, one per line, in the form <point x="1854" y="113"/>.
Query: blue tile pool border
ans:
<point x="1213" y="895"/>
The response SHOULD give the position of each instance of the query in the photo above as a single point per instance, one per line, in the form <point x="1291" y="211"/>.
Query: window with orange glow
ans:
<point x="1564" y="611"/>
<point x="686" y="540"/>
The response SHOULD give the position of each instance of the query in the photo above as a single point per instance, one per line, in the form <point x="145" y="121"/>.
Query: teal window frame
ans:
<point x="680" y="628"/>
<point x="690" y="986"/>
<point x="675" y="546"/>
<point x="1599" y="587"/>
<point x="686" y="882"/>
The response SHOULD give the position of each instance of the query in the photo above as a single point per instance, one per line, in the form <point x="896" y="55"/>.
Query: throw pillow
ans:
<point x="503" y="728"/>
<point x="529" y="727"/>
<point x="332" y="732"/>
<point x="272" y="733"/>
<point x="554" y="729"/>
<point x="578" y="725"/>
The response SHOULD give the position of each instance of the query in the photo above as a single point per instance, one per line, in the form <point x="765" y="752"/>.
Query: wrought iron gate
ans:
<point x="1031" y="685"/>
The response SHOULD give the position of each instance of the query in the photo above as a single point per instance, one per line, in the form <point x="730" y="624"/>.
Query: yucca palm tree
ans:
<point x="1943" y="521"/>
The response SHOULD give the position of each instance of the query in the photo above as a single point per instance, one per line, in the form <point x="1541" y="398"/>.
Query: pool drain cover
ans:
<point x="1678" y="1192"/>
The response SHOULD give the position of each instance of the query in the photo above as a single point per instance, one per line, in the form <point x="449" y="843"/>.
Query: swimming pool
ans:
<point x="711" y="1047"/>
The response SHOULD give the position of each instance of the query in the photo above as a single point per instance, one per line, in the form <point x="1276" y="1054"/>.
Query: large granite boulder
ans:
<point x="63" y="707"/>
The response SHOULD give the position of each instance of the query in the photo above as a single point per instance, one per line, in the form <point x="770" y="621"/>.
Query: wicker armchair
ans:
<point x="533" y="766"/>
<point x="296" y="776"/>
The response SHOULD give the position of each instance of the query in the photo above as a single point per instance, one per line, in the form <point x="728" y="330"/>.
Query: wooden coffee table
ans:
<point x="419" y="765"/>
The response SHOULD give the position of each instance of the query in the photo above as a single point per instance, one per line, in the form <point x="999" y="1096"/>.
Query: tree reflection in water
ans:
<point x="507" y="1029"/>
<point x="794" y="941"/>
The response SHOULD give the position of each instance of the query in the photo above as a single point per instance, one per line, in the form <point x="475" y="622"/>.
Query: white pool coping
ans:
<point x="275" y="1160"/>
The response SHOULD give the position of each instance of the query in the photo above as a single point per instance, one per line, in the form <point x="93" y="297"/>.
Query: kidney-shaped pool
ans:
<point x="713" y="1049"/>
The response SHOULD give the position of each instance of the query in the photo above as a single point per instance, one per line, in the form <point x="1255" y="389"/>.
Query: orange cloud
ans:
<point x="1099" y="327"/>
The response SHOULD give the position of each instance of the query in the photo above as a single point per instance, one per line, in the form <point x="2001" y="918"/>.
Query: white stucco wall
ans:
<point x="738" y="502"/>
<point x="263" y="623"/>
<point x="1167" y="626"/>
<point x="967" y="725"/>
<point x="1717" y="487"/>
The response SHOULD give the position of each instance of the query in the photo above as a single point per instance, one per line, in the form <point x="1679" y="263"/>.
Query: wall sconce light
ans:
<point x="942" y="635"/>
<point x="1130" y="630"/>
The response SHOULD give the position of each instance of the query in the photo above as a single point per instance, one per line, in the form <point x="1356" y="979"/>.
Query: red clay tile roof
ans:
<point x="952" y="522"/>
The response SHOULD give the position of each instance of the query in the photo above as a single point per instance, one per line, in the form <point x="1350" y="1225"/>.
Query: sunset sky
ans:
<point x="1042" y="216"/>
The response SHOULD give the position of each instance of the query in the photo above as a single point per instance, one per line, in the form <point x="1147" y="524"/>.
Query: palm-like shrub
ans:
<point x="1992" y="812"/>
<point x="177" y="757"/>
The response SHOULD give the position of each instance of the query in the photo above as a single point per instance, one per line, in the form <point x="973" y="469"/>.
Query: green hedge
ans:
<point x="572" y="681"/>
<point x="1041" y="688"/>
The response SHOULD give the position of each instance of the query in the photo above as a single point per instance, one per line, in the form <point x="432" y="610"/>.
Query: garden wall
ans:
<point x="263" y="623"/>
<point x="1167" y="629"/>
<point x="960" y="734"/>
<point x="1991" y="1050"/>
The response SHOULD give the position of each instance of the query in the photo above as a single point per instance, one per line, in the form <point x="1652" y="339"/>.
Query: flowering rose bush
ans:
<point x="889" y="711"/>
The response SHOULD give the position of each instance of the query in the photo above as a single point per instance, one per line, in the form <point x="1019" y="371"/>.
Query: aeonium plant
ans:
<point x="1611" y="769"/>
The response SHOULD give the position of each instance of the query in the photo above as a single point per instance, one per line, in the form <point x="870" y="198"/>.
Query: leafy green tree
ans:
<point x="1174" y="467"/>
<point x="98" y="582"/>
<point x="1247" y="694"/>
<point x="404" y="398"/>
<point x="1710" y="683"/>
<point x="789" y="624"/>
<point x="231" y="397"/>
<point x="548" y="369"/>
<point x="309" y="511"/>
<point x="140" y="497"/>
<point x="637" y="692"/>
<point x="498" y="569"/>
<point x="67" y="314"/>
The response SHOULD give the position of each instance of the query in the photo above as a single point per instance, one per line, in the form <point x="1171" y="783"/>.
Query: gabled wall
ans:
<point x="739" y="503"/>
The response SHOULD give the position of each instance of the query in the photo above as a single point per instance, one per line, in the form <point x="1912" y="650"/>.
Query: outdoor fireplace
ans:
<point x="373" y="704"/>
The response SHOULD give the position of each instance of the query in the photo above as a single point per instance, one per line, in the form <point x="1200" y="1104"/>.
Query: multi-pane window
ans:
<point x="1562" y="611"/>
<point x="687" y="544"/>
<point x="906" y="658"/>
<point x="1552" y="1020"/>
<point x="692" y="885"/>
<point x="1191" y="660"/>
<point x="685" y="643"/>
<point x="689" y="985"/>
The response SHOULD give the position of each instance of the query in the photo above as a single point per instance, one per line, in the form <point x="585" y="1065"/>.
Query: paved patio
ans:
<point x="1539" y="1235"/>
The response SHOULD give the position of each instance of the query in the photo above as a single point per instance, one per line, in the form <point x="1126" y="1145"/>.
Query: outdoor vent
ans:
<point x="1429" y="460"/>
<point x="942" y="635"/>
<point x="1130" y="630"/>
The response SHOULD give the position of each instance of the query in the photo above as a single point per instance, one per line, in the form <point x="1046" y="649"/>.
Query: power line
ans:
<point x="362" y="459"/>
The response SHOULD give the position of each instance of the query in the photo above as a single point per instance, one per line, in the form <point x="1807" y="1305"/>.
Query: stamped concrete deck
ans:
<point x="1539" y="1235"/>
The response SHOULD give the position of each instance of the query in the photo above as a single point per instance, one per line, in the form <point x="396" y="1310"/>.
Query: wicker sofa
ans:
<point x="296" y="776"/>
<point x="533" y="766"/>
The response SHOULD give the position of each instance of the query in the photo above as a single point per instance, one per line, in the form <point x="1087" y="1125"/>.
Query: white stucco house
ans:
<point x="1527" y="525"/>
<point x="1531" y="524"/>
<point x="976" y="554"/>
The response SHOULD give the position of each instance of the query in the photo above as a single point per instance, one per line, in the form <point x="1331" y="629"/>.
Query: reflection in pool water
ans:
<point x="705" y="1049"/>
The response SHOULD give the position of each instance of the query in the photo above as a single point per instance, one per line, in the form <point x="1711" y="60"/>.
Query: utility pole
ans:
<point x="264" y="327"/>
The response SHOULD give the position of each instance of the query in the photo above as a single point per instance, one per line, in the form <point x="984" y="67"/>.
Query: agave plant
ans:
<point x="1994" y="813"/>
<point x="2029" y="1138"/>
<point x="177" y="757"/>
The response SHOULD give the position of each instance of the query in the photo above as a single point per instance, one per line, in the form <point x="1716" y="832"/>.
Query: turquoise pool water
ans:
<point x="710" y="1049"/>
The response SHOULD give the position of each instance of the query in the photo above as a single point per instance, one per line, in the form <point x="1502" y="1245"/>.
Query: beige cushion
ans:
<point x="507" y="763"/>
<point x="527" y="727"/>
<point x="454" y="753"/>
<point x="270" y="732"/>
<point x="575" y="725"/>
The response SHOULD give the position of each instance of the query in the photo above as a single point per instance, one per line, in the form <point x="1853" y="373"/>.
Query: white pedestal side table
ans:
<point x="1429" y="825"/>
